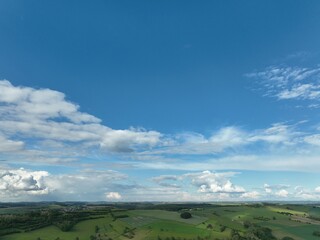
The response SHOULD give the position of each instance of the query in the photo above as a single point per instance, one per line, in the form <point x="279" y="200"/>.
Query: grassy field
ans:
<point x="214" y="222"/>
<point x="83" y="230"/>
<point x="169" y="215"/>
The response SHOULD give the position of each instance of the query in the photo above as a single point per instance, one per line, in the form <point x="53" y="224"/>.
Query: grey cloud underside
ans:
<point x="19" y="182"/>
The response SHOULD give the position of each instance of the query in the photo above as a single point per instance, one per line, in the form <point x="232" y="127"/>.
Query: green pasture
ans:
<point x="169" y="215"/>
<point x="83" y="230"/>
<point x="151" y="224"/>
<point x="170" y="229"/>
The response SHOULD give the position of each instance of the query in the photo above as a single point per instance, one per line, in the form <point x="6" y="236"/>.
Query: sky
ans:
<point x="159" y="100"/>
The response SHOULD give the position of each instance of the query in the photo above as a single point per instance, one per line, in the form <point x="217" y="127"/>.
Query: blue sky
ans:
<point x="209" y="101"/>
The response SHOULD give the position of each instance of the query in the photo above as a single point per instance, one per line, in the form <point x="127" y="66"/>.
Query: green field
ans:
<point x="148" y="222"/>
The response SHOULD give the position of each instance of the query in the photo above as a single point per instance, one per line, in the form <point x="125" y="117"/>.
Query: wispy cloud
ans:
<point x="289" y="82"/>
<point x="228" y="138"/>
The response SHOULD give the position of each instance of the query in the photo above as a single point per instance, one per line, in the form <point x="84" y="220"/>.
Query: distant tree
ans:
<point x="287" y="238"/>
<point x="246" y="224"/>
<point x="185" y="215"/>
<point x="316" y="233"/>
<point x="96" y="229"/>
<point x="222" y="228"/>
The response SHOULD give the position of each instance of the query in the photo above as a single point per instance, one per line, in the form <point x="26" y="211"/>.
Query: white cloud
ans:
<point x="282" y="193"/>
<point x="277" y="133"/>
<point x="231" y="137"/>
<point x="45" y="114"/>
<point x="20" y="182"/>
<point x="313" y="139"/>
<point x="123" y="140"/>
<point x="279" y="160"/>
<point x="267" y="188"/>
<point x="251" y="195"/>
<point x="86" y="184"/>
<point x="276" y="190"/>
<point x="95" y="185"/>
<point x="290" y="82"/>
<point x="228" y="137"/>
<point x="113" y="196"/>
<point x="209" y="182"/>
<point x="38" y="104"/>
<point x="304" y="194"/>
<point x="270" y="188"/>
<point x="300" y="91"/>
<point x="7" y="145"/>
<point x="31" y="120"/>
<point x="201" y="186"/>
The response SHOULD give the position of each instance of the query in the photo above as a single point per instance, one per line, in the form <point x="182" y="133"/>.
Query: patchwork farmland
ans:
<point x="82" y="221"/>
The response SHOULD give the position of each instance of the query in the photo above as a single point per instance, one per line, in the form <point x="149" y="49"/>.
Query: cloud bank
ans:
<point x="42" y="127"/>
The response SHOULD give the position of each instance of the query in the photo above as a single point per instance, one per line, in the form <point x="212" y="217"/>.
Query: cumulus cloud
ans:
<point x="267" y="188"/>
<point x="207" y="181"/>
<point x="20" y="182"/>
<point x="100" y="185"/>
<point x="271" y="188"/>
<point x="204" y="186"/>
<point x="303" y="193"/>
<point x="35" y="104"/>
<point x="45" y="114"/>
<point x="87" y="184"/>
<point x="250" y="195"/>
<point x="113" y="196"/>
<point x="282" y="193"/>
